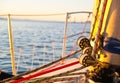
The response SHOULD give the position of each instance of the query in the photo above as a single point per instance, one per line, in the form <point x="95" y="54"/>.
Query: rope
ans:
<point x="18" y="61"/>
<point x="70" y="79"/>
<point x="57" y="79"/>
<point x="51" y="67"/>
<point x="44" y="72"/>
<point x="74" y="46"/>
<point x="80" y="34"/>
<point x="95" y="19"/>
<point x="65" y="33"/>
<point x="59" y="75"/>
<point x="99" y="28"/>
<point x="77" y="73"/>
<point x="44" y="66"/>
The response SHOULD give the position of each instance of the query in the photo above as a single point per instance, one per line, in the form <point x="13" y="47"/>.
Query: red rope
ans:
<point x="103" y="12"/>
<point x="44" y="72"/>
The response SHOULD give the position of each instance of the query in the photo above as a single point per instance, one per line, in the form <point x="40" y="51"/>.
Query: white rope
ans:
<point x="24" y="60"/>
<point x="44" y="50"/>
<point x="18" y="61"/>
<point x="53" y="50"/>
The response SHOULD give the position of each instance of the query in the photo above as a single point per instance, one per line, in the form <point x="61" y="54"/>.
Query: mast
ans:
<point x="105" y="40"/>
<point x="111" y="34"/>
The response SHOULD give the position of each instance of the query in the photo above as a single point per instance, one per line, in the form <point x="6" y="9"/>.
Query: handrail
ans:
<point x="89" y="12"/>
<point x="12" y="46"/>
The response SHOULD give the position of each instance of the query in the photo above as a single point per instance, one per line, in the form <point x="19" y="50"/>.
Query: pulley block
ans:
<point x="86" y="60"/>
<point x="83" y="42"/>
<point x="87" y="50"/>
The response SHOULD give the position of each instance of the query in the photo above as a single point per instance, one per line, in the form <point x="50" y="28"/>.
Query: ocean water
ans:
<point x="36" y="42"/>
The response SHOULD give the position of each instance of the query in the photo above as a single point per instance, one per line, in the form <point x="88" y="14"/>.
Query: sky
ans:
<point x="44" y="6"/>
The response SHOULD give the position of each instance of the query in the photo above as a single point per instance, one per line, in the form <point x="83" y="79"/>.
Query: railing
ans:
<point x="66" y="27"/>
<point x="46" y="48"/>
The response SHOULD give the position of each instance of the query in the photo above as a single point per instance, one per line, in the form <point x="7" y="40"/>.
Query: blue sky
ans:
<point x="44" y="6"/>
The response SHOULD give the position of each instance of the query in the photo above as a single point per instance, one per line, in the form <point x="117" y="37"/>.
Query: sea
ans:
<point x="37" y="42"/>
